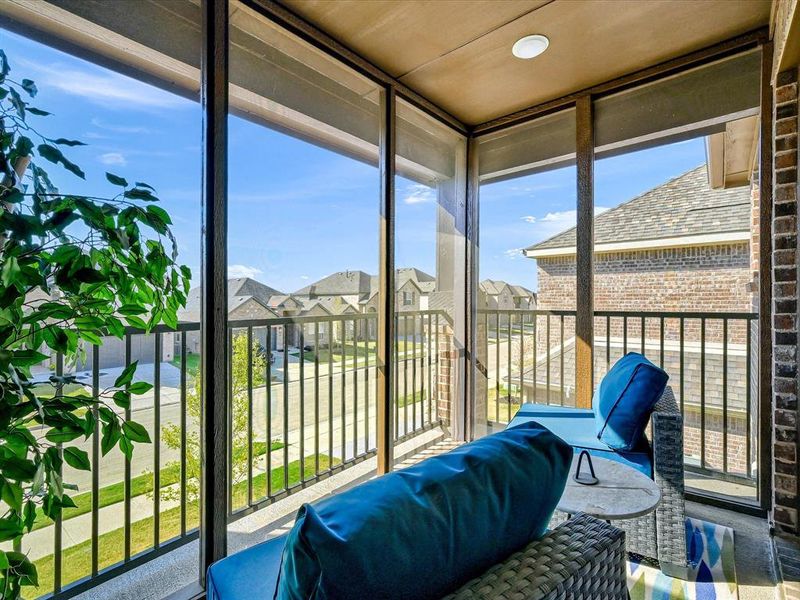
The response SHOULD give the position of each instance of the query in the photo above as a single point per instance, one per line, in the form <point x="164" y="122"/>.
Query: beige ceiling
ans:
<point x="457" y="53"/>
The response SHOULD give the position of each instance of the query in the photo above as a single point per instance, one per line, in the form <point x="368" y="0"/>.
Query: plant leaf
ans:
<point x="116" y="179"/>
<point x="77" y="459"/>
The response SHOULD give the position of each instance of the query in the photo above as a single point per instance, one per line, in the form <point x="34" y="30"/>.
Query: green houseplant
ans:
<point x="73" y="269"/>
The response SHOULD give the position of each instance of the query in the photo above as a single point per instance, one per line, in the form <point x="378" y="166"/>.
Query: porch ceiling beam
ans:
<point x="661" y="70"/>
<point x="318" y="38"/>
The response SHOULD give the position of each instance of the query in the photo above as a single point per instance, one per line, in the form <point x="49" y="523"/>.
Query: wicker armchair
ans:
<point x="662" y="535"/>
<point x="583" y="558"/>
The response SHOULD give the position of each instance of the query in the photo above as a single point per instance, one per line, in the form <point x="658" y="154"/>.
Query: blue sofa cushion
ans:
<point x="576" y="427"/>
<point x="423" y="531"/>
<point x="624" y="400"/>
<point x="251" y="573"/>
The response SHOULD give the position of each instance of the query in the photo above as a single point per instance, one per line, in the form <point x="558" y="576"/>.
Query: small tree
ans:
<point x="171" y="433"/>
<point x="96" y="265"/>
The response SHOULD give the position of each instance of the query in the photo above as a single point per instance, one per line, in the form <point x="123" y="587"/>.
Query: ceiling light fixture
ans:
<point x="530" y="46"/>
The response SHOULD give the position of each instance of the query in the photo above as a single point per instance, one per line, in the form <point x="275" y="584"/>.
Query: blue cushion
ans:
<point x="576" y="427"/>
<point x="251" y="573"/>
<point x="426" y="530"/>
<point x="624" y="400"/>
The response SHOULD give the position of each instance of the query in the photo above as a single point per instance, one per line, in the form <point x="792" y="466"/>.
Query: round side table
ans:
<point x="621" y="492"/>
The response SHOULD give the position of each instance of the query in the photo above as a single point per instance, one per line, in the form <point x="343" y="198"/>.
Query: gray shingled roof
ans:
<point x="685" y="205"/>
<point x="343" y="283"/>
<point x="239" y="290"/>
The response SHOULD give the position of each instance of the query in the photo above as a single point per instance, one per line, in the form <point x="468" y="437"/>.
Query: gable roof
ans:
<point x="342" y="283"/>
<point x="494" y="287"/>
<point x="682" y="208"/>
<point x="239" y="290"/>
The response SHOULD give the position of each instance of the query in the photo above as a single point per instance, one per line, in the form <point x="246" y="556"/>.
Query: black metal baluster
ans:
<point x="748" y="386"/>
<point x="316" y="397"/>
<point x="643" y="325"/>
<point x="547" y="355"/>
<point x="535" y="355"/>
<point x="430" y="381"/>
<point x="509" y="324"/>
<point x="302" y="356"/>
<point x="413" y="372"/>
<point x="183" y="431"/>
<point x="355" y="388"/>
<point x="270" y="358"/>
<point x="422" y="371"/>
<point x="497" y="367"/>
<point x="330" y="393"/>
<point x="343" y="399"/>
<point x="725" y="395"/>
<point x="661" y="343"/>
<point x="522" y="359"/>
<point x="624" y="335"/>
<point x="127" y="473"/>
<point x="703" y="392"/>
<point x="249" y="416"/>
<point x="683" y="364"/>
<point x="561" y="358"/>
<point x="608" y="343"/>
<point x="57" y="526"/>
<point x="157" y="441"/>
<point x="95" y="461"/>
<point x="285" y="406"/>
<point x="405" y="374"/>
<point x="365" y="329"/>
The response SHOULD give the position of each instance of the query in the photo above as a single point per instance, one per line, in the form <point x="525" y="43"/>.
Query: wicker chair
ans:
<point x="662" y="535"/>
<point x="582" y="558"/>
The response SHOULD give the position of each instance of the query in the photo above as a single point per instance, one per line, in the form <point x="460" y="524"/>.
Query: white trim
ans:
<point x="710" y="239"/>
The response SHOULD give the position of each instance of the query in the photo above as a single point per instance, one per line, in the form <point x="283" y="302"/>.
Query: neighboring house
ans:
<point x="248" y="299"/>
<point x="680" y="247"/>
<point x="342" y="283"/>
<point x="501" y="295"/>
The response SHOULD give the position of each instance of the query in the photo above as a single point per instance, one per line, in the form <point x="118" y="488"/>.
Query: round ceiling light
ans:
<point x="530" y="46"/>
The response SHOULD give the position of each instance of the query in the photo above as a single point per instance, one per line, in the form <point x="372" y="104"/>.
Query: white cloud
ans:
<point x="418" y="193"/>
<point x="513" y="253"/>
<point x="113" y="158"/>
<point x="235" y="271"/>
<point x="104" y="87"/>
<point x="119" y="128"/>
<point x="529" y="219"/>
<point x="304" y="277"/>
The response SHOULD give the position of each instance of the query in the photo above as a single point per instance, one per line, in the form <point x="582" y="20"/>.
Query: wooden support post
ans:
<point x="386" y="285"/>
<point x="584" y="262"/>
<point x="214" y="305"/>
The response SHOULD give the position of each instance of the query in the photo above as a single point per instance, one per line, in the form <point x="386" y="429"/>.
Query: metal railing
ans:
<point x="302" y="397"/>
<point x="528" y="356"/>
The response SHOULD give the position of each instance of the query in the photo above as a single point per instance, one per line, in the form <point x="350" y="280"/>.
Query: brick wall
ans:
<point x="705" y="278"/>
<point x="784" y="293"/>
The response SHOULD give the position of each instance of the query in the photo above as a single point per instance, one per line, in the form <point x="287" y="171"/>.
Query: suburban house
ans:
<point x="680" y="247"/>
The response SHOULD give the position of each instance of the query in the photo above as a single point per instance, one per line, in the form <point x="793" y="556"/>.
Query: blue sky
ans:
<point x="297" y="212"/>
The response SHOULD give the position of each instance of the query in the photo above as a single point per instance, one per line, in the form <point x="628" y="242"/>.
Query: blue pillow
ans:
<point x="624" y="400"/>
<point x="426" y="530"/>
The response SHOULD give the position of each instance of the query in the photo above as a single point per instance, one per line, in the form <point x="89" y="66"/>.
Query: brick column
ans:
<point x="785" y="287"/>
<point x="445" y="385"/>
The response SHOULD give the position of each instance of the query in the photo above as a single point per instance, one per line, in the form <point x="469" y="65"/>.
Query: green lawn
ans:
<point x="192" y="363"/>
<point x="141" y="484"/>
<point x="76" y="560"/>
